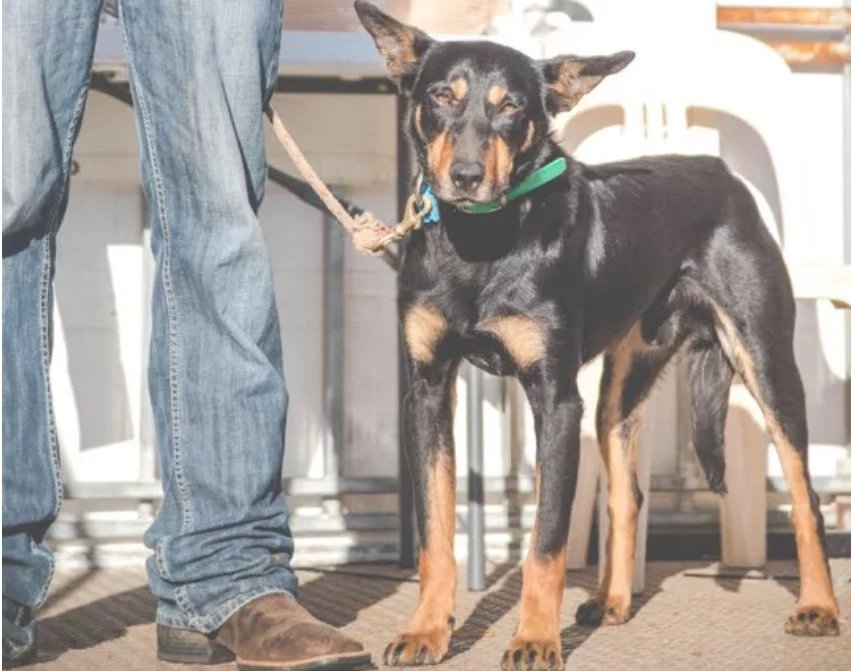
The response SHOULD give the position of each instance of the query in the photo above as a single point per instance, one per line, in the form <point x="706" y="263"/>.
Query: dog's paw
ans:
<point x="602" y="611"/>
<point x="524" y="655"/>
<point x="813" y="621"/>
<point x="416" y="648"/>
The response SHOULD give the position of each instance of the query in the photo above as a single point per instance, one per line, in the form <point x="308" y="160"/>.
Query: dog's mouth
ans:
<point x="482" y="195"/>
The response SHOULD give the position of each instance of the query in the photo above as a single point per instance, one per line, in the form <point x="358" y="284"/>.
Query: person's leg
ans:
<point x="47" y="55"/>
<point x="201" y="72"/>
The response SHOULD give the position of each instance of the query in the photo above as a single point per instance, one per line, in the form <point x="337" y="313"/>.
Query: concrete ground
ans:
<point x="688" y="618"/>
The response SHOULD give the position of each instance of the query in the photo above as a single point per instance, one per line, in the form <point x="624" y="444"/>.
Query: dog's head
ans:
<point x="479" y="112"/>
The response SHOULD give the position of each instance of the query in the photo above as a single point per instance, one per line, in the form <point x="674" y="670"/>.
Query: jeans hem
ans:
<point x="213" y="621"/>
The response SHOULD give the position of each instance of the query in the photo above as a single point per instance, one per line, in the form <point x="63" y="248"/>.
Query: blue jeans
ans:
<point x="201" y="72"/>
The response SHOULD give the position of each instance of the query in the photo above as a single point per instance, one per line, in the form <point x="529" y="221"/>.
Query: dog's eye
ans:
<point x="508" y="108"/>
<point x="442" y="97"/>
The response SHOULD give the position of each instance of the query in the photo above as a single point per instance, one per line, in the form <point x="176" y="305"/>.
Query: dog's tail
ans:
<point x="711" y="377"/>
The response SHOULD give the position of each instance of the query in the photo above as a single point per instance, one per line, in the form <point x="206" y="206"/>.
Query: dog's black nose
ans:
<point x="467" y="176"/>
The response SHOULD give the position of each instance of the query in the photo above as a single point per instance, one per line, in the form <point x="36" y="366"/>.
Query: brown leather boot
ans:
<point x="270" y="633"/>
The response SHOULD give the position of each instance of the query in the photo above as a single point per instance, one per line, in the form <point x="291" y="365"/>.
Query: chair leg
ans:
<point x="585" y="499"/>
<point x="583" y="504"/>
<point x="743" y="508"/>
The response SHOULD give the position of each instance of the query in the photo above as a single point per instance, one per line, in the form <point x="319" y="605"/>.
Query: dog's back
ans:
<point x="647" y="220"/>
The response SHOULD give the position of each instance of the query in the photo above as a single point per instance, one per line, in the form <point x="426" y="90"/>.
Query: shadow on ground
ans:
<point x="491" y="608"/>
<point x="496" y="604"/>
<point x="336" y="596"/>
<point x="97" y="622"/>
<point x="574" y="635"/>
<point x="351" y="590"/>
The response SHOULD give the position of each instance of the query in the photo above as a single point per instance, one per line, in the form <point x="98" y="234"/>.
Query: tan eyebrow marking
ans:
<point x="459" y="88"/>
<point x="497" y="94"/>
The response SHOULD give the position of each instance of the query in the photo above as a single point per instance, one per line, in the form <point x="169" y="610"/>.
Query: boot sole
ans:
<point x="183" y="646"/>
<point x="343" y="662"/>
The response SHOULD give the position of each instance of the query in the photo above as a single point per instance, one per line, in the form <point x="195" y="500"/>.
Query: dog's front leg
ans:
<point x="557" y="408"/>
<point x="431" y="454"/>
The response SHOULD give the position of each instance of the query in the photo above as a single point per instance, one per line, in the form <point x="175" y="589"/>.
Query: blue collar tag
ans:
<point x="433" y="216"/>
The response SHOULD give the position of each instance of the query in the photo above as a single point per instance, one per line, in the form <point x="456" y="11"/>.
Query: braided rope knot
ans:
<point x="369" y="234"/>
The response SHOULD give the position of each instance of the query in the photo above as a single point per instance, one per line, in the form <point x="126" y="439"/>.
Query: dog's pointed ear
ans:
<point x="568" y="78"/>
<point x="401" y="45"/>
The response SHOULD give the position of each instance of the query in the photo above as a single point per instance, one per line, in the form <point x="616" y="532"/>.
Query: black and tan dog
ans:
<point x="540" y="263"/>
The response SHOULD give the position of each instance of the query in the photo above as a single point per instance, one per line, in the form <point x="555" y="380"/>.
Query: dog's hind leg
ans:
<point x="749" y="292"/>
<point x="630" y="370"/>
<point x="764" y="358"/>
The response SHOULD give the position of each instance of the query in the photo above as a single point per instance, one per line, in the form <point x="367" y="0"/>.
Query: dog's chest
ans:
<point x="479" y="306"/>
<point x="478" y="332"/>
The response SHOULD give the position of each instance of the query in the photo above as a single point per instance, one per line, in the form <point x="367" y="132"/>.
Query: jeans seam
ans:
<point x="44" y="314"/>
<point x="184" y="497"/>
<point x="51" y="564"/>
<point x="186" y="605"/>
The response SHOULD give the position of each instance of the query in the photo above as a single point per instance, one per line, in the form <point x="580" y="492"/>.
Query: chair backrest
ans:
<point x="678" y="87"/>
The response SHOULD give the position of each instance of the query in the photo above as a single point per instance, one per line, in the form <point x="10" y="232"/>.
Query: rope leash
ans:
<point x="369" y="234"/>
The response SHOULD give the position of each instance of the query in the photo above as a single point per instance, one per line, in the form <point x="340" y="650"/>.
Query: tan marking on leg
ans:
<point x="496" y="95"/>
<point x="540" y="601"/>
<point x="523" y="338"/>
<point x="437" y="560"/>
<point x="430" y="626"/>
<point x="530" y="136"/>
<point x="619" y="446"/>
<point x="459" y="88"/>
<point x="424" y="326"/>
<point x="816" y="586"/>
<point x="543" y="589"/>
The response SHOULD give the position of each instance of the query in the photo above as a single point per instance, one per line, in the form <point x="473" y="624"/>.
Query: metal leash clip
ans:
<point x="416" y="209"/>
